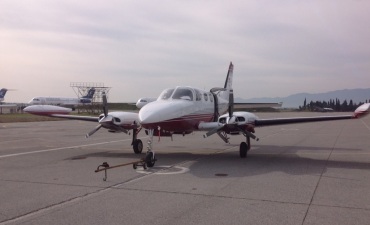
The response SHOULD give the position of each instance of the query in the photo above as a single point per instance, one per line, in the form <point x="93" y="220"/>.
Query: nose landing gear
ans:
<point x="150" y="155"/>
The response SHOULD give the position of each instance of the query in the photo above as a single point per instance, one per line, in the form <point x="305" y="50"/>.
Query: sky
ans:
<point x="138" y="48"/>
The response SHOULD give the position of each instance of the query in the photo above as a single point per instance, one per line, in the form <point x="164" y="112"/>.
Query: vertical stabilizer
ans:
<point x="90" y="93"/>
<point x="224" y="97"/>
<point x="229" y="77"/>
<point x="228" y="87"/>
<point x="2" y="93"/>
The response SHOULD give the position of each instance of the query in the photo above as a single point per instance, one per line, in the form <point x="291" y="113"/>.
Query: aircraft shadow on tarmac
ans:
<point x="262" y="159"/>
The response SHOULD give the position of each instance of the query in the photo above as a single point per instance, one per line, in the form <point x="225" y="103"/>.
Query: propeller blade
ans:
<point x="249" y="134"/>
<point x="211" y="132"/>
<point x="122" y="129"/>
<point x="93" y="131"/>
<point x="105" y="104"/>
<point x="231" y="103"/>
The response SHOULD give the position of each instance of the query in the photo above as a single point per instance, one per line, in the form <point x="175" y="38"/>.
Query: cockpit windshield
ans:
<point x="183" y="93"/>
<point x="166" y="94"/>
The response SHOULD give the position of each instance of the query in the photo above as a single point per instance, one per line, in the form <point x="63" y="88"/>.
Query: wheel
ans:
<point x="138" y="146"/>
<point x="150" y="159"/>
<point x="243" y="150"/>
<point x="134" y="166"/>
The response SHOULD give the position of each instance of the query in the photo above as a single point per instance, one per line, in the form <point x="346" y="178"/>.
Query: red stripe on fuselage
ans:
<point x="180" y="124"/>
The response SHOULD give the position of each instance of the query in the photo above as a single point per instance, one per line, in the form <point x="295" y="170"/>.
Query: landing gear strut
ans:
<point x="150" y="156"/>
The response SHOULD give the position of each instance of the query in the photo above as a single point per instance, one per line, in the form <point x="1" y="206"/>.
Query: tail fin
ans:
<point x="229" y="77"/>
<point x="3" y="92"/>
<point x="229" y="87"/>
<point x="90" y="94"/>
<point x="224" y="94"/>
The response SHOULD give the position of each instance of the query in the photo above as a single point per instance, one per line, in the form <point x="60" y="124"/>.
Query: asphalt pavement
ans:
<point x="309" y="173"/>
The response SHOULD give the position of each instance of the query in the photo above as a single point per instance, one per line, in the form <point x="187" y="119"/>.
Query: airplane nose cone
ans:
<point x="159" y="113"/>
<point x="148" y="115"/>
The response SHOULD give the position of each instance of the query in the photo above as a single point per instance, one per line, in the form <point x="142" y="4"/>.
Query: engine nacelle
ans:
<point x="240" y="118"/>
<point x="125" y="120"/>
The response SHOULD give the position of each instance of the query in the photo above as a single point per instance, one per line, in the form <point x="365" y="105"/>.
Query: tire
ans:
<point x="243" y="150"/>
<point x="138" y="146"/>
<point x="150" y="159"/>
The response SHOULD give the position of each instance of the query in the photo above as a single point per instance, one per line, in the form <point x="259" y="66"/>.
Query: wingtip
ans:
<point x="362" y="110"/>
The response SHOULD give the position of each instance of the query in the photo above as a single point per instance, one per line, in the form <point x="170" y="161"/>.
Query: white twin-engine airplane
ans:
<point x="182" y="110"/>
<point x="64" y="101"/>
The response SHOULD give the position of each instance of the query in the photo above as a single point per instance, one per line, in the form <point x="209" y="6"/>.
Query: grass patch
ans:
<point x="24" y="117"/>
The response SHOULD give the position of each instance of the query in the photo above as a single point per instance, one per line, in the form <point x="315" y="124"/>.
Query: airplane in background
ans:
<point x="6" y="107"/>
<point x="2" y="94"/>
<point x="62" y="101"/>
<point x="114" y="122"/>
<point x="183" y="110"/>
<point x="143" y="101"/>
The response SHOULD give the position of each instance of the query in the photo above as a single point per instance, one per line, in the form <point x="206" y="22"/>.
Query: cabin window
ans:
<point x="198" y="95"/>
<point x="222" y="120"/>
<point x="240" y="119"/>
<point x="205" y="96"/>
<point x="210" y="97"/>
<point x="183" y="93"/>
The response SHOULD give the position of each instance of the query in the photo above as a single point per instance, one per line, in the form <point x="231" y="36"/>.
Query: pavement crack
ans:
<point x="322" y="175"/>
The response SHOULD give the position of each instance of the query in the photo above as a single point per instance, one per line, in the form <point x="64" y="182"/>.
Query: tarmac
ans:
<point x="308" y="173"/>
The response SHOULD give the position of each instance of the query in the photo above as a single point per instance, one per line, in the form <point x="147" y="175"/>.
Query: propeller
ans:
<point x="231" y="121"/>
<point x="93" y="131"/>
<point x="105" y="119"/>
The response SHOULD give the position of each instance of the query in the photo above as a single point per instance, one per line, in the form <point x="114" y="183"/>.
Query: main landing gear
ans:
<point x="246" y="146"/>
<point x="137" y="144"/>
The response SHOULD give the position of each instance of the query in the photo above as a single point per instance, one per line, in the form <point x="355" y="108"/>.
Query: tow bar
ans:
<point x="105" y="166"/>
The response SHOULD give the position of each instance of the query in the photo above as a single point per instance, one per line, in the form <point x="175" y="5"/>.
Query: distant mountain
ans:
<point x="296" y="100"/>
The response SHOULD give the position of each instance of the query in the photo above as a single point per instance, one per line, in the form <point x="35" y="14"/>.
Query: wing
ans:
<point x="245" y="122"/>
<point x="58" y="112"/>
<point x="71" y="117"/>
<point x="256" y="105"/>
<point x="279" y="121"/>
<point x="113" y="121"/>
<point x="361" y="111"/>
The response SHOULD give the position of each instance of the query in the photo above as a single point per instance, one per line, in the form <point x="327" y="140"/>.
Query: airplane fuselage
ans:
<point x="181" y="110"/>
<point x="59" y="101"/>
